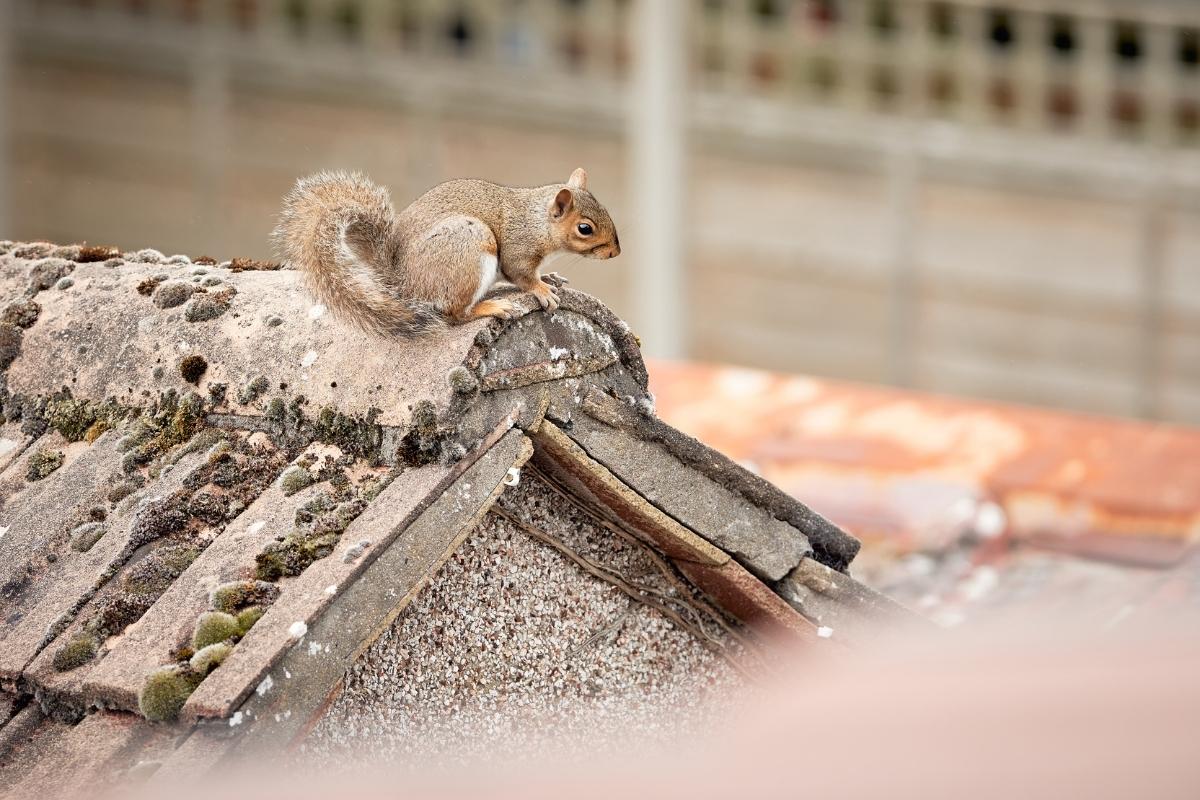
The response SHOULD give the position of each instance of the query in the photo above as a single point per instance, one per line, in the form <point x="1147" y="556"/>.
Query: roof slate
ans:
<point x="216" y="427"/>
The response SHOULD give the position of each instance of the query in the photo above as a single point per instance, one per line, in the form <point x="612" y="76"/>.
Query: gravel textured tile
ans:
<point x="513" y="648"/>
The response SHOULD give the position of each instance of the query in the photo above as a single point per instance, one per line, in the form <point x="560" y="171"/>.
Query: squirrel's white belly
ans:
<point x="487" y="276"/>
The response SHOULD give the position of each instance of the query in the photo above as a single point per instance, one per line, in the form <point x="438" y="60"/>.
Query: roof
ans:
<point x="967" y="507"/>
<point x="204" y="477"/>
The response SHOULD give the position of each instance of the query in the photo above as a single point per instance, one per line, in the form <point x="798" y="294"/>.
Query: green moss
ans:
<point x="315" y="507"/>
<point x="96" y="430"/>
<point x="172" y="294"/>
<point x="166" y="690"/>
<point x="253" y="390"/>
<point x="208" y="305"/>
<point x="177" y="557"/>
<point x="118" y="611"/>
<point x="213" y="627"/>
<point x="359" y="437"/>
<point x="209" y="507"/>
<point x="22" y="313"/>
<point x="276" y="410"/>
<point x="373" y="487"/>
<point x="462" y="381"/>
<point x="422" y="444"/>
<point x="207" y="659"/>
<point x="348" y="511"/>
<point x="42" y="463"/>
<point x="75" y="653"/>
<point x="229" y="597"/>
<point x="157" y="519"/>
<point x="192" y="368"/>
<point x="171" y="422"/>
<point x="295" y="478"/>
<point x="84" y="536"/>
<point x="10" y="344"/>
<point x="79" y="420"/>
<point x="319" y="526"/>
<point x="155" y="573"/>
<point x="294" y="554"/>
<point x="248" y="616"/>
<point x="211" y="439"/>
<point x="70" y="417"/>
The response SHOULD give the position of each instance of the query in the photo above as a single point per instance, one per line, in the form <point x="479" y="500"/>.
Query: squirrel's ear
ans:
<point x="562" y="203"/>
<point x="578" y="179"/>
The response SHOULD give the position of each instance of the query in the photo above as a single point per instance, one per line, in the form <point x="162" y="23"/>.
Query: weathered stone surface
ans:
<point x="196" y="759"/>
<point x="833" y="600"/>
<point x="82" y="757"/>
<point x="830" y="544"/>
<point x="61" y="586"/>
<point x="40" y="511"/>
<point x="106" y="340"/>
<point x="300" y="685"/>
<point x="12" y="444"/>
<point x="305" y="597"/>
<point x="117" y="678"/>
<point x="541" y="347"/>
<point x="125" y="336"/>
<point x="560" y="456"/>
<point x="27" y="737"/>
<point x="8" y="707"/>
<point x="18" y="725"/>
<point x="767" y="547"/>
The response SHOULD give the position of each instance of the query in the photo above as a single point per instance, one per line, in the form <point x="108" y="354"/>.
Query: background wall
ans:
<point x="997" y="200"/>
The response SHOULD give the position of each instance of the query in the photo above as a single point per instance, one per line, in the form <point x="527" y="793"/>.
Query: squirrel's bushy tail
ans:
<point x="337" y="229"/>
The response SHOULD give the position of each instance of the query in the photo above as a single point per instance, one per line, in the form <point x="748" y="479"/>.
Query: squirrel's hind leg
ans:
<point x="500" y="307"/>
<point x="455" y="264"/>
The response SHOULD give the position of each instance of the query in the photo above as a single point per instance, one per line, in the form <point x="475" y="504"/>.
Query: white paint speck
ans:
<point x="990" y="520"/>
<point x="513" y="477"/>
<point x="316" y="312"/>
<point x="258" y="526"/>
<point x="298" y="629"/>
<point x="309" y="359"/>
<point x="558" y="352"/>
<point x="265" y="686"/>
<point x="236" y="719"/>
<point x="824" y="632"/>
<point x="183" y="347"/>
<point x="314" y="648"/>
<point x="980" y="582"/>
<point x="3" y="530"/>
<point x="287" y="674"/>
<point x="331" y="589"/>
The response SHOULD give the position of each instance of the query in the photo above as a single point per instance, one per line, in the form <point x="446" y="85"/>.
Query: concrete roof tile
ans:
<point x="68" y="581"/>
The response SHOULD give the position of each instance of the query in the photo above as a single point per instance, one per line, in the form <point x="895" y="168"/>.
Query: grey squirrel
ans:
<point x="433" y="264"/>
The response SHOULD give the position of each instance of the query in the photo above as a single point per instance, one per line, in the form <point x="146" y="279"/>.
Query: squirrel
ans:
<point x="433" y="264"/>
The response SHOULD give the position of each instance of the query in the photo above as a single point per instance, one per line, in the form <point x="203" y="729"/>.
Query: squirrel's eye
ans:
<point x="585" y="229"/>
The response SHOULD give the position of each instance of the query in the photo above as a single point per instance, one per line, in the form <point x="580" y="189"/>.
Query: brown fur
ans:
<point x="411" y="273"/>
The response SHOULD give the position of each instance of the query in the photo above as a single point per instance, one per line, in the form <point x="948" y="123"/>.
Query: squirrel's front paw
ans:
<point x="555" y="280"/>
<point x="547" y="298"/>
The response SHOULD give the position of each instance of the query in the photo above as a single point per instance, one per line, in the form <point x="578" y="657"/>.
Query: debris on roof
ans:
<point x="219" y="508"/>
